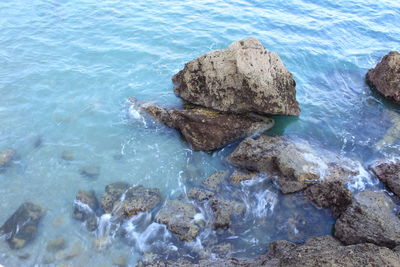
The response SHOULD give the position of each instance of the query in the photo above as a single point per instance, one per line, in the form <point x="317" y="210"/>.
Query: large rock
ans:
<point x="385" y="77"/>
<point x="112" y="195"/>
<point x="22" y="226"/>
<point x="180" y="218"/>
<point x="216" y="180"/>
<point x="388" y="171"/>
<point x="223" y="210"/>
<point x="293" y="163"/>
<point x="370" y="218"/>
<point x="206" y="129"/>
<point x="243" y="78"/>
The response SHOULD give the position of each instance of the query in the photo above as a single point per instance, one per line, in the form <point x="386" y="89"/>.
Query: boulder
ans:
<point x="112" y="195"/>
<point x="90" y="171"/>
<point x="206" y="129"/>
<point x="242" y="175"/>
<point x="179" y="216"/>
<point x="85" y="205"/>
<point x="223" y="210"/>
<point x="371" y="218"/>
<point x="293" y="163"/>
<point x="243" y="78"/>
<point x="21" y="227"/>
<point x="56" y="245"/>
<point x="388" y="171"/>
<point x="215" y="180"/>
<point x="385" y="77"/>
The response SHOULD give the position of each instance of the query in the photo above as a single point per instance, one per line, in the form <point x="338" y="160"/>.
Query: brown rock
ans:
<point x="388" y="171"/>
<point x="385" y="77"/>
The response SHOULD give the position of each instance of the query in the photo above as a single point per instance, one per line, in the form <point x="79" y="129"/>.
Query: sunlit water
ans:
<point x="68" y="67"/>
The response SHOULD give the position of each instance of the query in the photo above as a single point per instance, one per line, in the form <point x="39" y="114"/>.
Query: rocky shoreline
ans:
<point x="228" y="97"/>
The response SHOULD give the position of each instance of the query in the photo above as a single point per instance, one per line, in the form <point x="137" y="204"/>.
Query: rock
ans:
<point x="75" y="251"/>
<point x="294" y="164"/>
<point x="112" y="195"/>
<point x="223" y="210"/>
<point x="120" y="261"/>
<point x="243" y="78"/>
<point x="138" y="199"/>
<point x="21" y="227"/>
<point x="179" y="216"/>
<point x="6" y="157"/>
<point x="90" y="171"/>
<point x="330" y="194"/>
<point x="200" y="195"/>
<point x="56" y="244"/>
<point x="215" y="180"/>
<point x="101" y="243"/>
<point x="85" y="205"/>
<point x="206" y="129"/>
<point x="385" y="77"/>
<point x="242" y="175"/>
<point x="67" y="155"/>
<point x="370" y="218"/>
<point x="388" y="171"/>
<point x="38" y="142"/>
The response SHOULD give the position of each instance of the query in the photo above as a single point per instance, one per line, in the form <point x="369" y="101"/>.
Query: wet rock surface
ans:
<point x="179" y="216"/>
<point x="243" y="78"/>
<point x="385" y="77"/>
<point x="206" y="129"/>
<point x="388" y="171"/>
<point x="371" y="218"/>
<point x="21" y="227"/>
<point x="112" y="195"/>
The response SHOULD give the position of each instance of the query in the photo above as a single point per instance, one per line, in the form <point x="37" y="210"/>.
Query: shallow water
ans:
<point x="68" y="68"/>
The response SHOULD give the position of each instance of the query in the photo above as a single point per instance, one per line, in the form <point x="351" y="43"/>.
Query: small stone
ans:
<point x="91" y="171"/>
<point x="56" y="245"/>
<point x="67" y="155"/>
<point x="6" y="157"/>
<point x="120" y="261"/>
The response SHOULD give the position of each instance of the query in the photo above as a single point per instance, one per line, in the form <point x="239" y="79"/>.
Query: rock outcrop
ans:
<point x="385" y="77"/>
<point x="388" y="171"/>
<point x="21" y="227"/>
<point x="243" y="78"/>
<point x="206" y="129"/>
<point x="371" y="218"/>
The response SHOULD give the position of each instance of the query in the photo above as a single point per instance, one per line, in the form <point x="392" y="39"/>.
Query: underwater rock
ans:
<point x="67" y="155"/>
<point x="294" y="164"/>
<point x="385" y="77"/>
<point x="223" y="210"/>
<point x="22" y="226"/>
<point x="242" y="175"/>
<point x="56" y="244"/>
<point x="6" y="157"/>
<point x="85" y="205"/>
<point x="179" y="216"/>
<point x="206" y="129"/>
<point x="90" y="171"/>
<point x="330" y="194"/>
<point x="243" y="78"/>
<point x="215" y="180"/>
<point x="112" y="195"/>
<point x="388" y="171"/>
<point x="371" y="218"/>
<point x="392" y="134"/>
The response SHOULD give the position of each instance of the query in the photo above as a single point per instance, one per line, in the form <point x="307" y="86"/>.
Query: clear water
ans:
<point x="68" y="67"/>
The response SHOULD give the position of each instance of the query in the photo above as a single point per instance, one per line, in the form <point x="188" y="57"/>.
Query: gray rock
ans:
<point x="243" y="78"/>
<point x="388" y="171"/>
<point x="215" y="180"/>
<point x="200" y="195"/>
<point x="21" y="227"/>
<point x="179" y="216"/>
<point x="112" y="195"/>
<point x="385" y="77"/>
<point x="206" y="129"/>
<point x="370" y="218"/>
<point x="223" y="210"/>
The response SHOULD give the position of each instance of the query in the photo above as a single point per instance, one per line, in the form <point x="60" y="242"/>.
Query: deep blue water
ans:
<point x="68" y="67"/>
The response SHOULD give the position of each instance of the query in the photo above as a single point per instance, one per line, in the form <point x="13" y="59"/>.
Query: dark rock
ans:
<point x="90" y="171"/>
<point x="223" y="210"/>
<point x="370" y="218"/>
<point x="56" y="245"/>
<point x="200" y="195"/>
<point x="206" y="129"/>
<point x="385" y="77"/>
<point x="22" y="226"/>
<point x="68" y="156"/>
<point x="330" y="194"/>
<point x="215" y="180"/>
<point x="92" y="223"/>
<point x="242" y="175"/>
<point x="179" y="216"/>
<point x="85" y="205"/>
<point x="243" y="78"/>
<point x="112" y="195"/>
<point x="388" y="171"/>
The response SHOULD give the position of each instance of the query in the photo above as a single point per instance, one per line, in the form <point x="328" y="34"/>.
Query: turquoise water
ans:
<point x="68" y="67"/>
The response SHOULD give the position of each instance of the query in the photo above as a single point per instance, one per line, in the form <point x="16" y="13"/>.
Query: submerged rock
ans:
<point x="243" y="78"/>
<point x="385" y="77"/>
<point x="179" y="216"/>
<point x="22" y="226"/>
<point x="206" y="129"/>
<point x="294" y="164"/>
<point x="388" y="171"/>
<point x="90" y="171"/>
<point x="6" y="157"/>
<point x="371" y="218"/>
<point x="242" y="175"/>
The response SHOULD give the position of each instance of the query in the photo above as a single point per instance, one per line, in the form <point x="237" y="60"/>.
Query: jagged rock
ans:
<point x="85" y="205"/>
<point x="330" y="194"/>
<point x="6" y="157"/>
<point x="385" y="77"/>
<point x="243" y="78"/>
<point x="242" y="175"/>
<point x="215" y="180"/>
<point x="56" y="244"/>
<point x="179" y="216"/>
<point x="206" y="129"/>
<point x="388" y="171"/>
<point x="67" y="155"/>
<point x="294" y="164"/>
<point x="370" y="218"/>
<point x="223" y="210"/>
<point x="22" y="226"/>
<point x="200" y="195"/>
